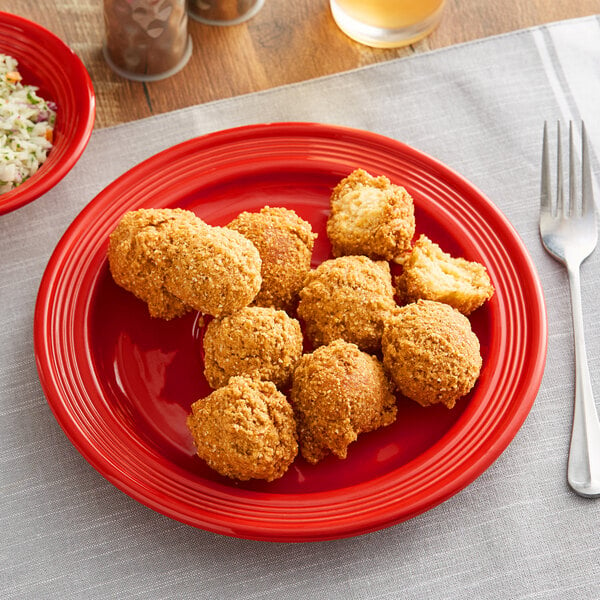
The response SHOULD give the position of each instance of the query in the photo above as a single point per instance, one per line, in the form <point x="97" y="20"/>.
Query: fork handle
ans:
<point x="583" y="471"/>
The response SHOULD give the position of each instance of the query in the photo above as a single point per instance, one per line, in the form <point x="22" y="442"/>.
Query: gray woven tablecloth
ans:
<point x="516" y="532"/>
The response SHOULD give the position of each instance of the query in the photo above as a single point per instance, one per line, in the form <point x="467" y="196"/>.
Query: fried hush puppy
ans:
<point x="371" y="216"/>
<point x="175" y="262"/>
<point x="429" y="273"/>
<point x="214" y="270"/>
<point x="339" y="392"/>
<point x="347" y="297"/>
<point x="245" y="430"/>
<point x="285" y="243"/>
<point x="431" y="353"/>
<point x="263" y="343"/>
<point x="139" y="257"/>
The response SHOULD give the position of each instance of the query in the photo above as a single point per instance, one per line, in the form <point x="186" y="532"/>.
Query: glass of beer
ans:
<point x="387" y="23"/>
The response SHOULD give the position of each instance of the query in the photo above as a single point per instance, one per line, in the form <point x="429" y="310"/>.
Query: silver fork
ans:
<point x="569" y="233"/>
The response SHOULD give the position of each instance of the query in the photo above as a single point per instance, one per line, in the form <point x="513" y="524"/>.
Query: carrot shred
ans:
<point x="14" y="76"/>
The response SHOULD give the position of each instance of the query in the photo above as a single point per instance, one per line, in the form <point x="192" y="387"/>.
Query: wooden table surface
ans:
<point x="286" y="42"/>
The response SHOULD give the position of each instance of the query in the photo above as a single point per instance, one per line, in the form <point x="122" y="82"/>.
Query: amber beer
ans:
<point x="387" y="23"/>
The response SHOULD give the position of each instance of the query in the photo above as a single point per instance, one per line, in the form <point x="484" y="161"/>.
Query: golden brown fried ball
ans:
<point x="175" y="261"/>
<point x="370" y="216"/>
<point x="339" y="392"/>
<point x="347" y="297"/>
<point x="139" y="257"/>
<point x="214" y="270"/>
<point x="432" y="274"/>
<point x="285" y="243"/>
<point x="431" y="353"/>
<point x="245" y="430"/>
<point x="263" y="343"/>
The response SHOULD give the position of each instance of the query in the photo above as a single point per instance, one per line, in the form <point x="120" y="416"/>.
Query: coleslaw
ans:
<point x="26" y="126"/>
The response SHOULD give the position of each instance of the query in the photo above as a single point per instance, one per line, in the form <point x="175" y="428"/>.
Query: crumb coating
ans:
<point x="176" y="262"/>
<point x="139" y="257"/>
<point x="339" y="392"/>
<point x="285" y="243"/>
<point x="263" y="343"/>
<point x="347" y="297"/>
<point x="431" y="353"/>
<point x="245" y="430"/>
<point x="214" y="270"/>
<point x="371" y="216"/>
<point x="429" y="273"/>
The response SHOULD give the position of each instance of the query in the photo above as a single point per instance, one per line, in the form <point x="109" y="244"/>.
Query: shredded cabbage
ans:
<point x="26" y="125"/>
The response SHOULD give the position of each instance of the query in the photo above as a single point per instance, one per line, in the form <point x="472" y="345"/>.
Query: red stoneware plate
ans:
<point x="47" y="62"/>
<point x="120" y="383"/>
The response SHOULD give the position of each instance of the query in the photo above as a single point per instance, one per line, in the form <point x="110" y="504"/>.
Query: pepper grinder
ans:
<point x="223" y="12"/>
<point x="146" y="40"/>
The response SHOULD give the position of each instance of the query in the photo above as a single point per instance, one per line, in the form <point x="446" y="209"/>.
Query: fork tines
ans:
<point x="571" y="206"/>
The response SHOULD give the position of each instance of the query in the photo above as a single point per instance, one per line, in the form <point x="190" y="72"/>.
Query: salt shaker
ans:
<point x="146" y="40"/>
<point x="223" y="12"/>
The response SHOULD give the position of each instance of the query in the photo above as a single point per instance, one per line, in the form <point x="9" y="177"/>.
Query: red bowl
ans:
<point x="121" y="384"/>
<point x="47" y="62"/>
